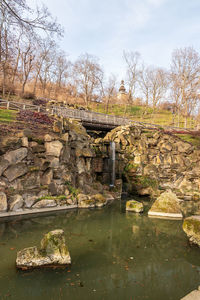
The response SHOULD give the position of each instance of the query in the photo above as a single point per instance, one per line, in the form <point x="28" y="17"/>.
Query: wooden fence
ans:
<point x="82" y="115"/>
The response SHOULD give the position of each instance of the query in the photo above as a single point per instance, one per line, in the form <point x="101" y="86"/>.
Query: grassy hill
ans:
<point x="142" y="114"/>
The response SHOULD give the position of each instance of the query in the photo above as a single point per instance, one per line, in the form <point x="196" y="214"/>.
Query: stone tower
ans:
<point x="122" y="95"/>
<point x="122" y="89"/>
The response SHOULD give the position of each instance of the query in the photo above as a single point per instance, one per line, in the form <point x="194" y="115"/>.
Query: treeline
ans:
<point x="180" y="85"/>
<point x="32" y="64"/>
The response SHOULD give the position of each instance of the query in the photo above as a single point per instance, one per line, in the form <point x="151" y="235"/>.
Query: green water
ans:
<point x="115" y="255"/>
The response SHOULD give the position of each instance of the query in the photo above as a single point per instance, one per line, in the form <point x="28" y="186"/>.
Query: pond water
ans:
<point x="115" y="255"/>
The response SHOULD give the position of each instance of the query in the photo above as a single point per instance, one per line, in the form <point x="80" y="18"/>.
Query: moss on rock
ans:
<point x="134" y="206"/>
<point x="191" y="227"/>
<point x="53" y="252"/>
<point x="166" y="204"/>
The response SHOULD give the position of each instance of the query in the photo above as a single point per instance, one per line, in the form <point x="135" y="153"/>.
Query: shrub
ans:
<point x="28" y="96"/>
<point x="34" y="117"/>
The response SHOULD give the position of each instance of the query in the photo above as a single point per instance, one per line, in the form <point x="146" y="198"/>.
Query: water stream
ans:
<point x="112" y="158"/>
<point x="115" y="255"/>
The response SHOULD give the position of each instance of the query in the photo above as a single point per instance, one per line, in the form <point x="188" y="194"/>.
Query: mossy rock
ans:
<point x="53" y="243"/>
<point x="53" y="252"/>
<point x="99" y="200"/>
<point x="191" y="227"/>
<point x="134" y="206"/>
<point x="166" y="205"/>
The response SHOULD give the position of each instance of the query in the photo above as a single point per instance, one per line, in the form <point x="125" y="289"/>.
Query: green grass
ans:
<point x="144" y="114"/>
<point x="7" y="115"/>
<point x="194" y="140"/>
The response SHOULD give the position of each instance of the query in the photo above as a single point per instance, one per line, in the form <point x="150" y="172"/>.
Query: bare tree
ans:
<point x="46" y="71"/>
<point x="19" y="13"/>
<point x="61" y="72"/>
<point x="47" y="46"/>
<point x="185" y="73"/>
<point x="158" y="85"/>
<point x="27" y="57"/>
<point x="87" y="76"/>
<point x="17" y="20"/>
<point x="144" y="83"/>
<point x="109" y="91"/>
<point x="132" y="60"/>
<point x="153" y="84"/>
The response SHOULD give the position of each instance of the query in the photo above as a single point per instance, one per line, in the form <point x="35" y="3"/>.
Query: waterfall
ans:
<point x="112" y="159"/>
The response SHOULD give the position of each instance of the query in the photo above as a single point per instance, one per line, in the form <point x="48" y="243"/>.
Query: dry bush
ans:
<point x="28" y="96"/>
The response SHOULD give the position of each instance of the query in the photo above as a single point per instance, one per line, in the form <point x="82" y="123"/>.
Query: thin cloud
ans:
<point x="105" y="28"/>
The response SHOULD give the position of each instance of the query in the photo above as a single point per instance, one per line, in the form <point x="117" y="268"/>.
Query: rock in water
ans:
<point x="167" y="206"/>
<point x="134" y="206"/>
<point x="191" y="226"/>
<point x="53" y="252"/>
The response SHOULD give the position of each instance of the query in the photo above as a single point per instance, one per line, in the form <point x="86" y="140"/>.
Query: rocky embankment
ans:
<point x="67" y="167"/>
<point x="53" y="170"/>
<point x="151" y="162"/>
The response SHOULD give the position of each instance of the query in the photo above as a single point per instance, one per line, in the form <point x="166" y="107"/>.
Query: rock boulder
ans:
<point x="134" y="206"/>
<point x="3" y="202"/>
<point x="53" y="253"/>
<point x="166" y="205"/>
<point x="16" y="203"/>
<point x="191" y="226"/>
<point x="53" y="148"/>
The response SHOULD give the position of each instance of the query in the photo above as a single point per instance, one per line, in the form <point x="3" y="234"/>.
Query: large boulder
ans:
<point x="191" y="226"/>
<point x="53" y="253"/>
<point x="16" y="156"/>
<point x="4" y="163"/>
<point x="16" y="171"/>
<point x="47" y="177"/>
<point x="53" y="148"/>
<point x="45" y="203"/>
<point x="166" y="205"/>
<point x="16" y="202"/>
<point x="134" y="206"/>
<point x="84" y="201"/>
<point x="99" y="200"/>
<point x="29" y="199"/>
<point x="3" y="202"/>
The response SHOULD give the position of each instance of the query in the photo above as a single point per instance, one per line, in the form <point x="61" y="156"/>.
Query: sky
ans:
<point x="105" y="28"/>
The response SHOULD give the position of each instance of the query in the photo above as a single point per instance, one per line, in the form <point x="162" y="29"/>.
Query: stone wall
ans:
<point x="49" y="171"/>
<point x="69" y="168"/>
<point x="151" y="161"/>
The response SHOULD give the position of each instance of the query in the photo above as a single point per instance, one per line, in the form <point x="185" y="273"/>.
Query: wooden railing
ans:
<point x="82" y="115"/>
<point x="91" y="117"/>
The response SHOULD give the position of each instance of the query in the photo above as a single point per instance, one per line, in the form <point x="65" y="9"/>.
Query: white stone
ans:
<point x="17" y="203"/>
<point x="53" y="148"/>
<point x="25" y="141"/>
<point x="47" y="138"/>
<point x="164" y="215"/>
<point x="3" y="202"/>
<point x="45" y="203"/>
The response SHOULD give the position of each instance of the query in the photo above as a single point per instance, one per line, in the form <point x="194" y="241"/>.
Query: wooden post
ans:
<point x="8" y="104"/>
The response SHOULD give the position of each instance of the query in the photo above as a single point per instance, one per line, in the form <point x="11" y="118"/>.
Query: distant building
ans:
<point x="122" y="96"/>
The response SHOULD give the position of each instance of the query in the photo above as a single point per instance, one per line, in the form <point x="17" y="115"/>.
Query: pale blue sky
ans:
<point x="107" y="27"/>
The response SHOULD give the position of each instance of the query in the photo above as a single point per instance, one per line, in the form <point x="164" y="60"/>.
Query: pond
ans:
<point x="115" y="255"/>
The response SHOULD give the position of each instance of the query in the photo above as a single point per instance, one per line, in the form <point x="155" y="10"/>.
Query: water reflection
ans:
<point x="114" y="256"/>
